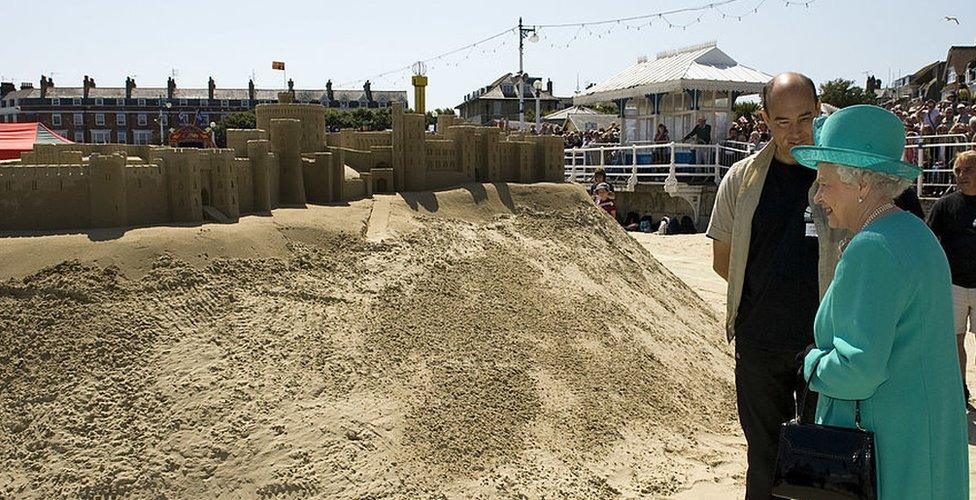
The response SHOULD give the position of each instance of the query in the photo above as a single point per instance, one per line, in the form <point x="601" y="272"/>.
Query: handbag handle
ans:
<point x="806" y="390"/>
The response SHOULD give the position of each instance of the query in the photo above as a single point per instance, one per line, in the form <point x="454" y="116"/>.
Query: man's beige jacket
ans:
<point x="731" y="222"/>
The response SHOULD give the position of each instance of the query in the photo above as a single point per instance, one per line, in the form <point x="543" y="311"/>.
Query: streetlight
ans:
<point x="537" y="85"/>
<point x="168" y="105"/>
<point x="523" y="34"/>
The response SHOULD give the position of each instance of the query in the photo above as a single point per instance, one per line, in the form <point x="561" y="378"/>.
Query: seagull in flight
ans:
<point x="952" y="19"/>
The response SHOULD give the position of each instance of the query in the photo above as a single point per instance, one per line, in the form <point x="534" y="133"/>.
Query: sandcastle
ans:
<point x="288" y="161"/>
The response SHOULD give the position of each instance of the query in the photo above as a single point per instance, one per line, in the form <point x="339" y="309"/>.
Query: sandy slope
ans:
<point x="491" y="341"/>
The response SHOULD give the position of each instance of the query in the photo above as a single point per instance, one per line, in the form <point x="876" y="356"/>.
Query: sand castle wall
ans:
<point x="288" y="161"/>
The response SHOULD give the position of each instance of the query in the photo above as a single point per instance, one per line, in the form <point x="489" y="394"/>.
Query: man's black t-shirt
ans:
<point x="780" y="293"/>
<point x="953" y="220"/>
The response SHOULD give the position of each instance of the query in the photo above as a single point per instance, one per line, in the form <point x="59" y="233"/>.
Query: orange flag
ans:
<point x="278" y="65"/>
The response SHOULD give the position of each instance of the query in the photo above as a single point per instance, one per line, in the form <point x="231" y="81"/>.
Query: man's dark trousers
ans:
<point x="768" y="390"/>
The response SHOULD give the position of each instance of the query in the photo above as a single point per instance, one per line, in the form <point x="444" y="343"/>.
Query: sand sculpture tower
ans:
<point x="311" y="117"/>
<point x="223" y="179"/>
<point x="183" y="185"/>
<point x="108" y="203"/>
<point x="257" y="152"/>
<point x="409" y="150"/>
<point x="286" y="137"/>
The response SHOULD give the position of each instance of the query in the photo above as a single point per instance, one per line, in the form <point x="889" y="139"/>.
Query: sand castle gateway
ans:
<point x="289" y="160"/>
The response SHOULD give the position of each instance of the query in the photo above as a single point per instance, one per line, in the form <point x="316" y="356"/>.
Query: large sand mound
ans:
<point x="489" y="341"/>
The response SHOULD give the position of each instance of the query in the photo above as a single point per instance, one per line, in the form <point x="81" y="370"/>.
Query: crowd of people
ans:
<point x="936" y="131"/>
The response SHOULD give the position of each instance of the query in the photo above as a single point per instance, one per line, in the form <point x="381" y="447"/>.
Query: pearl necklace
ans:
<point x="874" y="215"/>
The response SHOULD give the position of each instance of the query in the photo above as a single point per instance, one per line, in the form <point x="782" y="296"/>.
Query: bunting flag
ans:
<point x="278" y="65"/>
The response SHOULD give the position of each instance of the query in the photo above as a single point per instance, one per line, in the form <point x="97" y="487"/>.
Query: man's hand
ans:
<point x="720" y="258"/>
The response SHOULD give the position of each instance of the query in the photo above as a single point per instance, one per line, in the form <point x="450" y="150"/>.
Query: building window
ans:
<point x="205" y="119"/>
<point x="99" y="101"/>
<point x="99" y="120"/>
<point x="184" y="119"/>
<point x="353" y="104"/>
<point x="182" y="102"/>
<point x="164" y="119"/>
<point x="120" y="118"/>
<point x="56" y="119"/>
<point x="120" y="101"/>
<point x="76" y="101"/>
<point x="56" y="101"/>
<point x="79" y="119"/>
<point x="143" y="119"/>
<point x="204" y="102"/>
<point x="79" y="136"/>
<point x="121" y="136"/>
<point x="141" y="136"/>
<point x="100" y="136"/>
<point x="142" y="103"/>
<point x="497" y="111"/>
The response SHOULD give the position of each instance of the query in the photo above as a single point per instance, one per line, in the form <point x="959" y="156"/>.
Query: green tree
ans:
<point x="745" y="108"/>
<point x="431" y="116"/>
<point x="244" y="119"/>
<point x="843" y="93"/>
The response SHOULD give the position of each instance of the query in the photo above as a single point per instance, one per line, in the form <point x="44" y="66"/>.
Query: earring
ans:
<point x="860" y="200"/>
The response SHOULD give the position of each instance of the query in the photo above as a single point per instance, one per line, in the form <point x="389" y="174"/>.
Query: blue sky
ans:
<point x="349" y="41"/>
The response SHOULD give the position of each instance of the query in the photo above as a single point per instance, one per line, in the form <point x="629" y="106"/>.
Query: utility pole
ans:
<point x="520" y="78"/>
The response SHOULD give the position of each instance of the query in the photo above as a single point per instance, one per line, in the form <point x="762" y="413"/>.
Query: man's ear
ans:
<point x="818" y="106"/>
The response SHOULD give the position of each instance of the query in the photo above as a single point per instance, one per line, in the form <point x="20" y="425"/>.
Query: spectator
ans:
<point x="930" y="114"/>
<point x="702" y="134"/>
<point x="661" y="137"/>
<point x="953" y="220"/>
<point x="962" y="114"/>
<point x="600" y="178"/>
<point x="972" y="129"/>
<point x="603" y="199"/>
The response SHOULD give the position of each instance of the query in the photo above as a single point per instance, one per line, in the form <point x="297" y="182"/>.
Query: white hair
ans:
<point x="890" y="186"/>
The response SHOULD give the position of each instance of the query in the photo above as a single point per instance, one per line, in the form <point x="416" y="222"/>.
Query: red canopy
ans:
<point x="16" y="138"/>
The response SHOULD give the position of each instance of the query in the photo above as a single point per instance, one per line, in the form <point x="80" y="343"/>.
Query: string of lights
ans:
<point x="585" y="30"/>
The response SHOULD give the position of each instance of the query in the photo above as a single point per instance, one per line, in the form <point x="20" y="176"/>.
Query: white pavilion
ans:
<point x="676" y="89"/>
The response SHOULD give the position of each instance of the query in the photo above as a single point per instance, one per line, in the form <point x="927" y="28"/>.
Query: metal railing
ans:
<point x="698" y="164"/>
<point x="632" y="164"/>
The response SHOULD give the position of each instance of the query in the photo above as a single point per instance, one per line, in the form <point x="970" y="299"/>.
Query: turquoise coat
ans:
<point x="885" y="336"/>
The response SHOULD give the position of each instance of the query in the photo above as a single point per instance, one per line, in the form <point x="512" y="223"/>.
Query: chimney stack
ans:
<point x="87" y="85"/>
<point x="211" y="86"/>
<point x="129" y="85"/>
<point x="6" y="88"/>
<point x="250" y="90"/>
<point x="43" y="86"/>
<point x="549" y="86"/>
<point x="170" y="87"/>
<point x="26" y="85"/>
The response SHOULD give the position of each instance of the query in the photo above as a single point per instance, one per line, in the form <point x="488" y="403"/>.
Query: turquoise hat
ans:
<point x="861" y="136"/>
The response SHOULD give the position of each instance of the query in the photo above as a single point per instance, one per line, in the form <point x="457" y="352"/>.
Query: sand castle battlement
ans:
<point x="289" y="160"/>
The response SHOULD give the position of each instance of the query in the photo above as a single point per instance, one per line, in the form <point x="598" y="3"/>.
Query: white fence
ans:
<point x="633" y="164"/>
<point x="695" y="164"/>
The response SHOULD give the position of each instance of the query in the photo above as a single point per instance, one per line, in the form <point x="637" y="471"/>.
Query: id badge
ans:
<point x="811" y="228"/>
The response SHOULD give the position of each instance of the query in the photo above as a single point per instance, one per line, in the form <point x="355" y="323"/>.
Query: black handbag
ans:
<point x="824" y="462"/>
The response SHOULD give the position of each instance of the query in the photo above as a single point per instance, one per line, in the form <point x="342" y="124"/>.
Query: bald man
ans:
<point x="771" y="243"/>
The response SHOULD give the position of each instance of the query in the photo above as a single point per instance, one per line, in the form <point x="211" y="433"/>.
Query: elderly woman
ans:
<point x="884" y="329"/>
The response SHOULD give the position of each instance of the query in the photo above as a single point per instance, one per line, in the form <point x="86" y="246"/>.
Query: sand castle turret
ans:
<point x="286" y="138"/>
<point x="108" y="201"/>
